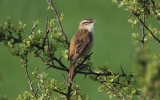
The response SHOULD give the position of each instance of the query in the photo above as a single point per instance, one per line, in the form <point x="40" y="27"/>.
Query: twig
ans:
<point x="44" y="87"/>
<point x="60" y="63"/>
<point x="47" y="39"/>
<point x="46" y="36"/>
<point x="33" y="27"/>
<point x="68" y="96"/>
<point x="143" y="34"/>
<point x="146" y="26"/>
<point x="24" y="62"/>
<point x="49" y="65"/>
<point x="100" y="74"/>
<point x="55" y="90"/>
<point x="58" y="20"/>
<point x="123" y="73"/>
<point x="76" y="71"/>
<point x="113" y="91"/>
<point x="154" y="8"/>
<point x="16" y="40"/>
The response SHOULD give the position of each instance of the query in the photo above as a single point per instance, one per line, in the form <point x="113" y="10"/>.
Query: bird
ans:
<point x="81" y="43"/>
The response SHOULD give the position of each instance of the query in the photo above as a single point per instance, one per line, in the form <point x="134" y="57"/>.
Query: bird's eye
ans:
<point x="86" y="23"/>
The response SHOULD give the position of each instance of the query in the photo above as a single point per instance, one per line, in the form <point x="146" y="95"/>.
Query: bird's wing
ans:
<point x="82" y="44"/>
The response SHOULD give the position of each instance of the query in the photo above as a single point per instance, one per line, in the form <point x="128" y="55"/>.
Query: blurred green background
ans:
<point x="113" y="43"/>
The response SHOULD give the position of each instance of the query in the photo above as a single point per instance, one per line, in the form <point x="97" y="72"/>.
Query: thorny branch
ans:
<point x="58" y="20"/>
<point x="33" y="27"/>
<point x="137" y="15"/>
<point x="142" y="28"/>
<point x="49" y="65"/>
<point x="55" y="90"/>
<point x="154" y="8"/>
<point x="16" y="40"/>
<point x="68" y="96"/>
<point x="25" y="65"/>
<point x="46" y="36"/>
<point x="63" y="68"/>
<point x="47" y="39"/>
<point x="110" y="89"/>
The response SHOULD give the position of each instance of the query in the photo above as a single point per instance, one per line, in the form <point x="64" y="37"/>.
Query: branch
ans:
<point x="58" y="20"/>
<point x="142" y="28"/>
<point x="16" y="40"/>
<point x="55" y="90"/>
<point x="24" y="62"/>
<point x="123" y="73"/>
<point x="47" y="39"/>
<point x="113" y="91"/>
<point x="46" y="36"/>
<point x="49" y="65"/>
<point x="137" y="15"/>
<point x="68" y="96"/>
<point x="76" y="71"/>
<point x="60" y="63"/>
<point x="33" y="27"/>
<point x="154" y="8"/>
<point x="94" y="73"/>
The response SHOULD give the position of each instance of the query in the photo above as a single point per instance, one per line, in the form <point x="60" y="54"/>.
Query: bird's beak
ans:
<point x="94" y="21"/>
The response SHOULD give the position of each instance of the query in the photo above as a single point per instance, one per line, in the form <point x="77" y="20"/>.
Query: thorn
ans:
<point x="63" y="76"/>
<point x="85" y="76"/>
<point x="47" y="68"/>
<point x="60" y="58"/>
<point x="130" y="15"/>
<point x="122" y="70"/>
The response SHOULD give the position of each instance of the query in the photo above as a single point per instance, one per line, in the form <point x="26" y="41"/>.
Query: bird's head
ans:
<point x="88" y="24"/>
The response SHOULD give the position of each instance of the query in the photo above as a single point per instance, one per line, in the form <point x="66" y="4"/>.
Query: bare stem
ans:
<point x="25" y="64"/>
<point x="47" y="40"/>
<point x="137" y="15"/>
<point x="68" y="96"/>
<point x="143" y="34"/>
<point x="58" y="20"/>
<point x="154" y="8"/>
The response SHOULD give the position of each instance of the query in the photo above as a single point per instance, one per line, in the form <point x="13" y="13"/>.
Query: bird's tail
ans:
<point x="71" y="71"/>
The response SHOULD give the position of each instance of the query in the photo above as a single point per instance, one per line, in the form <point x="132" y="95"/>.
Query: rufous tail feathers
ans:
<point x="71" y="71"/>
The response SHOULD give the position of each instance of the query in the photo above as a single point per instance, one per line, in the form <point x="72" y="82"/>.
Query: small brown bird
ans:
<point x="81" y="43"/>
